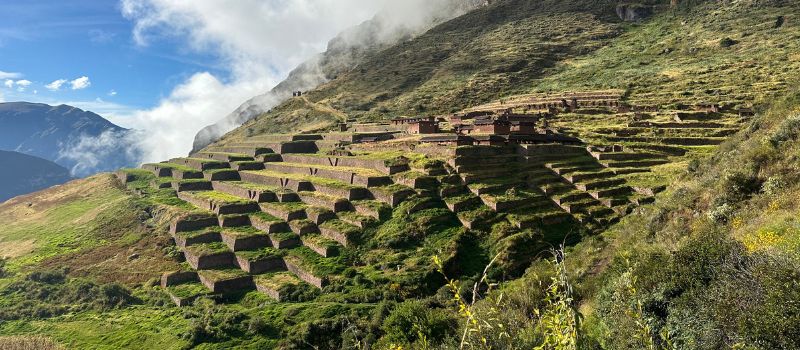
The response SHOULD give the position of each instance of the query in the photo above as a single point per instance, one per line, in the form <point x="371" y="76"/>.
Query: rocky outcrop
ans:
<point x="634" y="12"/>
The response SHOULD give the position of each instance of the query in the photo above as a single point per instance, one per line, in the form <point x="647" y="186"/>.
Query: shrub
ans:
<point x="787" y="131"/>
<point x="46" y="294"/>
<point x="209" y="322"/>
<point x="727" y="42"/>
<point x="416" y="320"/>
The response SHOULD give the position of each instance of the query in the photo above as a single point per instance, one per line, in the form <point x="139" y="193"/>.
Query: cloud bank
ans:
<point x="257" y="42"/>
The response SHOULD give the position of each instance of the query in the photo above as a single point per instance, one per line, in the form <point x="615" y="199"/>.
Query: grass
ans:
<point x="315" y="263"/>
<point x="277" y="280"/>
<point x="222" y="274"/>
<point x="261" y="254"/>
<point x="342" y="227"/>
<point x="205" y="249"/>
<point x="188" y="290"/>
<point x="220" y="197"/>
<point x="243" y="232"/>
<point x="84" y="216"/>
<point x="131" y="328"/>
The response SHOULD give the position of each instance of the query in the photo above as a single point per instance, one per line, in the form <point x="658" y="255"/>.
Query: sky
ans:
<point x="162" y="66"/>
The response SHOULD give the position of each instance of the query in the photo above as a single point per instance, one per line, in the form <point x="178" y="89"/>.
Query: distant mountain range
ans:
<point x="21" y="174"/>
<point x="81" y="141"/>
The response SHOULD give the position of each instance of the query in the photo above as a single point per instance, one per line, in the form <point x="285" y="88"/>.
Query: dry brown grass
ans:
<point x="28" y="343"/>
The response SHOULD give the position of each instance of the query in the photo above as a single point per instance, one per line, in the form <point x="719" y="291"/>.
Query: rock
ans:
<point x="133" y="256"/>
<point x="634" y="12"/>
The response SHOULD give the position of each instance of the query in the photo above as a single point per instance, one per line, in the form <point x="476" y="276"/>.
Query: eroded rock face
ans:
<point x="634" y="12"/>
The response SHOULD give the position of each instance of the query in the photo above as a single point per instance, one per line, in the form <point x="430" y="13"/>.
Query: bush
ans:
<point x="416" y="320"/>
<point x="727" y="42"/>
<point x="46" y="294"/>
<point x="209" y="322"/>
<point x="787" y="131"/>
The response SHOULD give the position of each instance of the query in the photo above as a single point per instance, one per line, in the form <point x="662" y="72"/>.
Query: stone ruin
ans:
<point x="271" y="213"/>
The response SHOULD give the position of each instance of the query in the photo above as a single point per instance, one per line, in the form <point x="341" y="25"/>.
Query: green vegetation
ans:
<point x="712" y="264"/>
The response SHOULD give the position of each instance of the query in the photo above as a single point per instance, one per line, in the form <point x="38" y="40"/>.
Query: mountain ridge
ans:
<point x="55" y="133"/>
<point x="343" y="53"/>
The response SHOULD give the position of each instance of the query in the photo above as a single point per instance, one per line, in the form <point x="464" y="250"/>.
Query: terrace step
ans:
<point x="339" y="231"/>
<point x="388" y="167"/>
<point x="226" y="281"/>
<point x="249" y="151"/>
<point x="205" y="235"/>
<point x="218" y="202"/>
<point x="321" y="245"/>
<point x="320" y="200"/>
<point x="175" y="171"/>
<point x="356" y="219"/>
<point x="635" y="163"/>
<point x="192" y="222"/>
<point x="300" y="183"/>
<point x="346" y="175"/>
<point x="587" y="186"/>
<point x="221" y="175"/>
<point x="191" y="185"/>
<point x="268" y="223"/>
<point x="461" y="203"/>
<point x="201" y="164"/>
<point x="277" y="285"/>
<point x="588" y="176"/>
<point x="223" y="157"/>
<point x="253" y="192"/>
<point x="246" y="238"/>
<point x="303" y="227"/>
<point x="611" y="192"/>
<point x="208" y="256"/>
<point x="623" y="156"/>
<point x="260" y="261"/>
<point x="298" y="262"/>
<point x="285" y="211"/>
<point x="247" y="165"/>
<point x="375" y="209"/>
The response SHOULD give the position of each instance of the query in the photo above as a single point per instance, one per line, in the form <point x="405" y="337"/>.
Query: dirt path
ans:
<point x="326" y="109"/>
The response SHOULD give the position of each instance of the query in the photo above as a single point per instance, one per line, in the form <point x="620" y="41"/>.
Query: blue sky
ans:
<point x="168" y="67"/>
<point x="44" y="41"/>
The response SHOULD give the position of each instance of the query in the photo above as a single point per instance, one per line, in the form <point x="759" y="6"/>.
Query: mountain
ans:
<point x="21" y="174"/>
<point x="344" y="52"/>
<point x="65" y="135"/>
<point x="668" y="219"/>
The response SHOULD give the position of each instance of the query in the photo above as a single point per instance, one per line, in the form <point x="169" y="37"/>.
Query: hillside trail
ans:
<point x="326" y="109"/>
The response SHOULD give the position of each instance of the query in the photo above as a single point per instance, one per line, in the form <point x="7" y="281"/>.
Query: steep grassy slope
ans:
<point x="713" y="264"/>
<point x="742" y="52"/>
<point x="475" y="58"/>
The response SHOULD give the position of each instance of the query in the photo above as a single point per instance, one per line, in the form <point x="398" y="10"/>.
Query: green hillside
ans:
<point x="664" y="226"/>
<point x="697" y="52"/>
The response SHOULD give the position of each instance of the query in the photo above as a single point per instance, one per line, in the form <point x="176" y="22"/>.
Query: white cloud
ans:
<point x="9" y="83"/>
<point x="8" y="75"/>
<point x="56" y="85"/>
<point x="112" y="93"/>
<point x="258" y="43"/>
<point x="80" y="83"/>
<point x="21" y="84"/>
